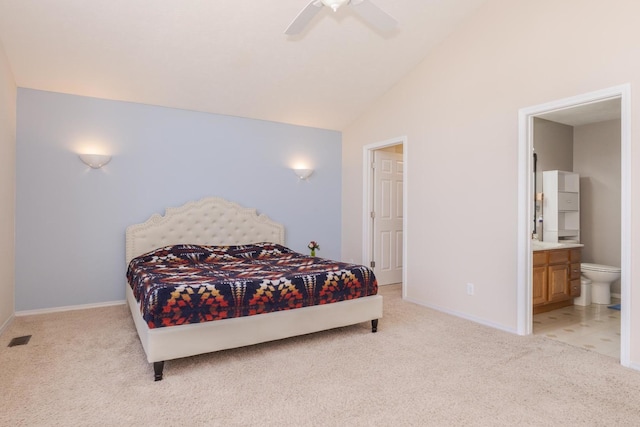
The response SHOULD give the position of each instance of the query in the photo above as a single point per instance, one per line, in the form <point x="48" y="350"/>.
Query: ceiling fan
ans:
<point x="367" y="11"/>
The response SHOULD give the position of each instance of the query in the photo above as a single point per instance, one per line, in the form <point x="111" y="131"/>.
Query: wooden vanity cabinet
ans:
<point x="556" y="278"/>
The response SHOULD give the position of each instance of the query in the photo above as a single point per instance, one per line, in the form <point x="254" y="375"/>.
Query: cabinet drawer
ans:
<point x="568" y="201"/>
<point x="575" y="288"/>
<point x="539" y="258"/>
<point x="575" y="271"/>
<point x="559" y="256"/>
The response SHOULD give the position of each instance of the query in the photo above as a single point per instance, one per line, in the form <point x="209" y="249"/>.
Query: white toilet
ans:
<point x="585" y="292"/>
<point x="601" y="277"/>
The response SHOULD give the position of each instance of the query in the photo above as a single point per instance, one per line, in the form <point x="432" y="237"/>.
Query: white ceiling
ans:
<point x="222" y="56"/>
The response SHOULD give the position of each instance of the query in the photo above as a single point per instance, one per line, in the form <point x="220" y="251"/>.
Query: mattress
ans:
<point x="183" y="284"/>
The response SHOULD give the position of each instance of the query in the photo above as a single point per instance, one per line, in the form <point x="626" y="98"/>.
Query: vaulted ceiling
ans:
<point x="223" y="56"/>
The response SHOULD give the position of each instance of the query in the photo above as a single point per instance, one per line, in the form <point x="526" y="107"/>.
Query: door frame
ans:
<point x="525" y="206"/>
<point x="367" y="201"/>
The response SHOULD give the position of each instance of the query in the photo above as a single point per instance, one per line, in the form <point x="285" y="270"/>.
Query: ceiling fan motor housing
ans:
<point x="334" y="4"/>
<point x="364" y="8"/>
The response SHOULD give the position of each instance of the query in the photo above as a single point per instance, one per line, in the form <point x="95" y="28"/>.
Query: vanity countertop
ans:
<point x="537" y="245"/>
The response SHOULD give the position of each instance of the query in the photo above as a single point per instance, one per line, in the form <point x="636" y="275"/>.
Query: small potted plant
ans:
<point x="313" y="246"/>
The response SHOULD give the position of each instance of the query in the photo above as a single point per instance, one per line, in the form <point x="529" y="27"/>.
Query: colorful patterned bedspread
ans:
<point x="183" y="284"/>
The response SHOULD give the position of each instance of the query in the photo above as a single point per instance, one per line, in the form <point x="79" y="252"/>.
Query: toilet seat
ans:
<point x="599" y="267"/>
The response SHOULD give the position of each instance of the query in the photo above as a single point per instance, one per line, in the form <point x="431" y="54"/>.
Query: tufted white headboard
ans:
<point x="210" y="221"/>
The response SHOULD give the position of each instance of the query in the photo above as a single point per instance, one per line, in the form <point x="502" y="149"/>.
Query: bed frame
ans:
<point x="215" y="221"/>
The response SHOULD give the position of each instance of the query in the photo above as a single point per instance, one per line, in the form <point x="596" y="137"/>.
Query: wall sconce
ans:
<point x="303" y="173"/>
<point x="96" y="161"/>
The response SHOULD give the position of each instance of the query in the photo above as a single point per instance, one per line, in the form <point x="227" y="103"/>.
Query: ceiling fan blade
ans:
<point x="374" y="15"/>
<point x="304" y="17"/>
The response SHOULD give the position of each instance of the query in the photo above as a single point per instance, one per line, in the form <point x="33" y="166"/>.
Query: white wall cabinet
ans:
<point x="561" y="206"/>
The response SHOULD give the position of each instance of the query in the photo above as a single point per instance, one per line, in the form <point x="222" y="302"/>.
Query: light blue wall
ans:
<point x="71" y="219"/>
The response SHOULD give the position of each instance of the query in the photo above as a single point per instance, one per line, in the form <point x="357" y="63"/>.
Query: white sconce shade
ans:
<point x="96" y="161"/>
<point x="303" y="173"/>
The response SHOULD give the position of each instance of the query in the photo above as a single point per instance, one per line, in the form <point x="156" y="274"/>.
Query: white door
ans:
<point x="387" y="216"/>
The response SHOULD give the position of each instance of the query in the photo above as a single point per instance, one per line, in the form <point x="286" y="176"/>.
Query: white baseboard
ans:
<point x="68" y="308"/>
<point x="634" y="366"/>
<point x="466" y="316"/>
<point x="6" y="324"/>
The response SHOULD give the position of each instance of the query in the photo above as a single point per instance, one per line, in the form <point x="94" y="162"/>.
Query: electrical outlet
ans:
<point x="470" y="289"/>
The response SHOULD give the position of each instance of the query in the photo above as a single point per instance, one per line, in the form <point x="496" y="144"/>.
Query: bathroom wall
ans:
<point x="553" y="143"/>
<point x="596" y="150"/>
<point x="593" y="151"/>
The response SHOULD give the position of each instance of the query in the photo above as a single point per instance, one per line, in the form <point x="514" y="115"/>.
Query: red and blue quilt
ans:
<point x="184" y="284"/>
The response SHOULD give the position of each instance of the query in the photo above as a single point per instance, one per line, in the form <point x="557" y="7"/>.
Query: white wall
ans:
<point x="459" y="111"/>
<point x="71" y="219"/>
<point x="7" y="188"/>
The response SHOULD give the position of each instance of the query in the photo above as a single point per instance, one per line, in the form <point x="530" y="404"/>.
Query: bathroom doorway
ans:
<point x="573" y="110"/>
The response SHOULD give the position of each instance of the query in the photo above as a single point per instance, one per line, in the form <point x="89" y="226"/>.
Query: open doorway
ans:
<point x="384" y="210"/>
<point x="572" y="107"/>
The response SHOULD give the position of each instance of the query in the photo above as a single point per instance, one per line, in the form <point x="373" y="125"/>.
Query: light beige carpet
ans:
<point x="87" y="368"/>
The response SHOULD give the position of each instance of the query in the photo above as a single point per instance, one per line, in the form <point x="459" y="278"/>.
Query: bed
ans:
<point x="214" y="228"/>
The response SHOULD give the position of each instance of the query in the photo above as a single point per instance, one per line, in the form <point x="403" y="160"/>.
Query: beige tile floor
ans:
<point x="594" y="327"/>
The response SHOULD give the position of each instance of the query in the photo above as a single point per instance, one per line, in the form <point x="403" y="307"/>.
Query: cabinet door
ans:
<point x="559" y="283"/>
<point x="540" y="289"/>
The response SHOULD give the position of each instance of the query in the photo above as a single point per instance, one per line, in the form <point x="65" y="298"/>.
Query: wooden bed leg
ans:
<point x="374" y="325"/>
<point x="157" y="370"/>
